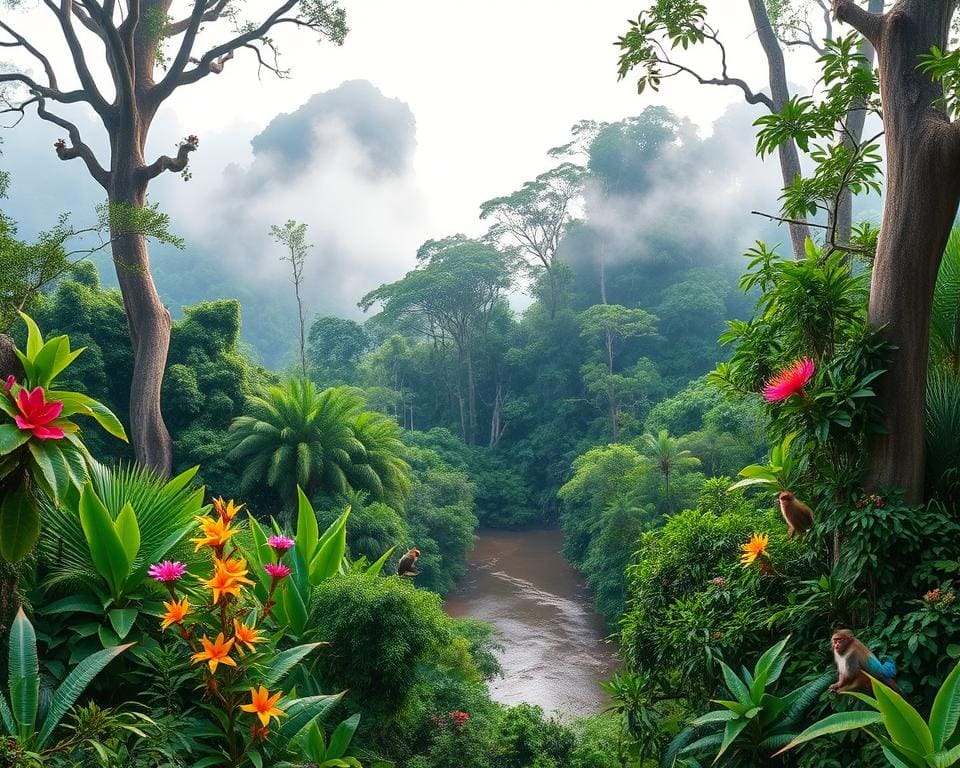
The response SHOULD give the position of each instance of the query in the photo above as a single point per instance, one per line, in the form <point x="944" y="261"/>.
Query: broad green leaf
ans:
<point x="330" y="552"/>
<point x="79" y="403"/>
<point x="730" y="732"/>
<point x="34" y="337"/>
<point x="946" y="710"/>
<point x="70" y="689"/>
<point x="106" y="550"/>
<point x="342" y="736"/>
<point x="64" y="358"/>
<point x="73" y="604"/>
<point x="717" y="716"/>
<point x="736" y="686"/>
<point x="837" y="723"/>
<point x="294" y="606"/>
<point x="300" y="712"/>
<point x="128" y="530"/>
<point x="761" y="670"/>
<point x="308" y="532"/>
<point x="122" y="619"/>
<point x="19" y="525"/>
<point x="24" y="675"/>
<point x="11" y="438"/>
<point x="903" y="722"/>
<point x="374" y="569"/>
<point x="947" y="758"/>
<point x="52" y="466"/>
<point x="286" y="660"/>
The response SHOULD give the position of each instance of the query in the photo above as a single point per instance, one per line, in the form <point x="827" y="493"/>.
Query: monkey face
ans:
<point x="785" y="497"/>
<point x="840" y="642"/>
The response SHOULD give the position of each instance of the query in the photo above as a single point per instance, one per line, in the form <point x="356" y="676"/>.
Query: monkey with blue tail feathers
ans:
<point x="855" y="661"/>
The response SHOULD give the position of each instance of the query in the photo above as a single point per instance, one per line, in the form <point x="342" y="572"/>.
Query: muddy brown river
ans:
<point x="554" y="649"/>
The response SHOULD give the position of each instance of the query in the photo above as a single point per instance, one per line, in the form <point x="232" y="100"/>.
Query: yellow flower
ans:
<point x="227" y="577"/>
<point x="216" y="652"/>
<point x="227" y="510"/>
<point x="756" y="547"/>
<point x="216" y="532"/>
<point x="245" y="635"/>
<point x="263" y="704"/>
<point x="176" y="611"/>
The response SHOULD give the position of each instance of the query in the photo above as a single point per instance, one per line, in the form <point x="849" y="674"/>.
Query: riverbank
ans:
<point x="555" y="653"/>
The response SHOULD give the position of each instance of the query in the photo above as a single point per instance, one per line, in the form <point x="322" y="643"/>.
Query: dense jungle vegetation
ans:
<point x="200" y="552"/>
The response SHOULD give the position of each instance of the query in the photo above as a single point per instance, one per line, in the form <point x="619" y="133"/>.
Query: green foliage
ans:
<point x="294" y="435"/>
<point x="335" y="347"/>
<point x="907" y="739"/>
<point x="21" y="715"/>
<point x="690" y="602"/>
<point x="380" y="631"/>
<point x="754" y="722"/>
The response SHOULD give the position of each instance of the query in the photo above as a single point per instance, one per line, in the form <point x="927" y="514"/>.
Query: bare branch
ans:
<point x="67" y="97"/>
<point x="78" y="148"/>
<point x="870" y="25"/>
<point x="24" y="43"/>
<point x="64" y="15"/>
<point x="202" y="69"/>
<point x="748" y="93"/>
<point x="167" y="163"/>
<point x="214" y="9"/>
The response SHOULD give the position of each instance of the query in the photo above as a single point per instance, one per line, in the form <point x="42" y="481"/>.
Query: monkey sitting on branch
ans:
<point x="798" y="516"/>
<point x="855" y="661"/>
<point x="408" y="564"/>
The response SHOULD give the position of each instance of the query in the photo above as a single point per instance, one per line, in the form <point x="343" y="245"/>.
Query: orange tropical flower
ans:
<point x="263" y="704"/>
<point x="227" y="577"/>
<point x="227" y="510"/>
<point x="216" y="652"/>
<point x="756" y="547"/>
<point x="216" y="532"/>
<point x="245" y="635"/>
<point x="176" y="611"/>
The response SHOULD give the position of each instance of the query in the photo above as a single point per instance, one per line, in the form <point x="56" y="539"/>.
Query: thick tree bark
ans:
<point x="148" y="321"/>
<point x="780" y="94"/>
<point x="9" y="362"/>
<point x="923" y="191"/>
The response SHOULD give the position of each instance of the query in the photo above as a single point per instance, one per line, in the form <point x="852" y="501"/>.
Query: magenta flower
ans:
<point x="789" y="381"/>
<point x="11" y="380"/>
<point x="280" y="544"/>
<point x="36" y="414"/>
<point x="277" y="570"/>
<point x="167" y="571"/>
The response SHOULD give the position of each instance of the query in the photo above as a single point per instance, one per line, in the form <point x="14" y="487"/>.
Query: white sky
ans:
<point x="492" y="84"/>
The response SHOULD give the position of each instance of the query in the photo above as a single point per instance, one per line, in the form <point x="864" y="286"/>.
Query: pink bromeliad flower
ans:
<point x="789" y="381"/>
<point x="277" y="570"/>
<point x="280" y="544"/>
<point x="8" y="384"/>
<point x="167" y="571"/>
<point x="36" y="414"/>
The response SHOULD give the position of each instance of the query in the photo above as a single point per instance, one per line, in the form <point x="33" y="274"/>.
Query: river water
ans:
<point x="554" y="649"/>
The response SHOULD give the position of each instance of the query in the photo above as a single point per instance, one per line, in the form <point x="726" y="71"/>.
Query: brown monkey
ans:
<point x="798" y="516"/>
<point x="853" y="660"/>
<point x="408" y="564"/>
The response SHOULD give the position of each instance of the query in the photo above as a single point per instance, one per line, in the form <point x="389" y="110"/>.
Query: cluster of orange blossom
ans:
<point x="228" y="613"/>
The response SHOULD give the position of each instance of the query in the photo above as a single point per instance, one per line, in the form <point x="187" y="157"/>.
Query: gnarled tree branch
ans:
<point x="78" y="148"/>
<point x="167" y="163"/>
<point x="870" y="25"/>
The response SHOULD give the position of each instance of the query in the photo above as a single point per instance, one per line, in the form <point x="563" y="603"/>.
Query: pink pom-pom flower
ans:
<point x="277" y="570"/>
<point x="280" y="544"/>
<point x="166" y="572"/>
<point x="789" y="381"/>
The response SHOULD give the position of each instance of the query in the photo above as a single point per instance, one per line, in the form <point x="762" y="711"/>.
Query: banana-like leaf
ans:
<point x="106" y="549"/>
<point x="286" y="660"/>
<point x="19" y="525"/>
<point x="24" y="675"/>
<point x="373" y="570"/>
<point x="946" y="710"/>
<point x="301" y="712"/>
<point x="342" y="736"/>
<point x="70" y="689"/>
<point x="840" y="722"/>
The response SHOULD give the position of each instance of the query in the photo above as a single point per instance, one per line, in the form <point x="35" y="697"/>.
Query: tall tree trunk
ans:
<point x="471" y="397"/>
<point x="780" y="94"/>
<point x="149" y="323"/>
<point x="923" y="191"/>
